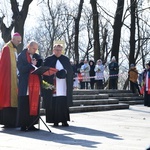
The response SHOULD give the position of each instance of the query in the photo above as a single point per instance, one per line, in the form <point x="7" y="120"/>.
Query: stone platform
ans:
<point x="126" y="129"/>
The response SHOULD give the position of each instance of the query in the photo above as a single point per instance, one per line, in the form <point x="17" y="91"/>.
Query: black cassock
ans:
<point x="57" y="108"/>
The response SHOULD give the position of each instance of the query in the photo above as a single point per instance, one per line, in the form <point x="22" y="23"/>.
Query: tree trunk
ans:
<point x="104" y="43"/>
<point x="132" y="33"/>
<point x="97" y="53"/>
<point x="17" y="23"/>
<point x="6" y="32"/>
<point x="77" y="20"/>
<point x="117" y="29"/>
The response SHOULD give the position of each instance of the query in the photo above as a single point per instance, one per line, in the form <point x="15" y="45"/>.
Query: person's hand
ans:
<point x="61" y="74"/>
<point x="34" y="61"/>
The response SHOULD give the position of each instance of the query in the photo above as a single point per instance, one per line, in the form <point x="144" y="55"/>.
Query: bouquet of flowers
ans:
<point x="47" y="85"/>
<point x="85" y="68"/>
<point x="98" y="69"/>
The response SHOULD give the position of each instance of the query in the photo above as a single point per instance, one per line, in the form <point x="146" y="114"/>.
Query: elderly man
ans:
<point x="58" y="100"/>
<point x="29" y="87"/>
<point x="8" y="82"/>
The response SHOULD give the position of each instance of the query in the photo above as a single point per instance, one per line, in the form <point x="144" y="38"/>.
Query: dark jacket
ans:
<point x="113" y="70"/>
<point x="24" y="68"/>
<point x="51" y="62"/>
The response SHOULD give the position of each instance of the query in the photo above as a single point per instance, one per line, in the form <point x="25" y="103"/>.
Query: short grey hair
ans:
<point x="31" y="43"/>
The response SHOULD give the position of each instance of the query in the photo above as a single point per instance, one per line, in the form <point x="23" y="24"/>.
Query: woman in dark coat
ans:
<point x="92" y="73"/>
<point x="113" y="73"/>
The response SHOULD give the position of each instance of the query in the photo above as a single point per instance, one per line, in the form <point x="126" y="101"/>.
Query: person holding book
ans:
<point x="28" y="87"/>
<point x="58" y="99"/>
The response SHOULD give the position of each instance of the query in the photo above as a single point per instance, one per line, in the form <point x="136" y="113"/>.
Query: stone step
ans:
<point x="85" y="92"/>
<point x="133" y="102"/>
<point x="123" y="95"/>
<point x="136" y="98"/>
<point x="98" y="91"/>
<point x="92" y="102"/>
<point x="95" y="102"/>
<point x="91" y="108"/>
<point x="84" y="97"/>
<point x="100" y="100"/>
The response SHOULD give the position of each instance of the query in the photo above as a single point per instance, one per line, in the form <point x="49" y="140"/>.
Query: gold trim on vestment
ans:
<point x="14" y="95"/>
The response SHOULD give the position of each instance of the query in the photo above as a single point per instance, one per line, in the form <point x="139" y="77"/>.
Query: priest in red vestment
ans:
<point x="28" y="87"/>
<point x="8" y="82"/>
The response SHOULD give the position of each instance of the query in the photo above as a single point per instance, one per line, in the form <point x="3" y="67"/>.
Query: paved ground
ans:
<point x="106" y="130"/>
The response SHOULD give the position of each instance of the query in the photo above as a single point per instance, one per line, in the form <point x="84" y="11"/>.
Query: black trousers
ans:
<point x="113" y="83"/>
<point x="58" y="110"/>
<point x="8" y="116"/>
<point x="134" y="87"/>
<point x="99" y="84"/>
<point x="92" y="82"/>
<point x="24" y="118"/>
<point x="85" y="85"/>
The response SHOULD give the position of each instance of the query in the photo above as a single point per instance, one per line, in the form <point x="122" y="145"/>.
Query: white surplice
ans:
<point x="61" y="87"/>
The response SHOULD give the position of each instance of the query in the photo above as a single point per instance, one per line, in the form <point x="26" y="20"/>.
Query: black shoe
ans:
<point x="55" y="125"/>
<point x="32" y="128"/>
<point x="65" y="124"/>
<point x="23" y="128"/>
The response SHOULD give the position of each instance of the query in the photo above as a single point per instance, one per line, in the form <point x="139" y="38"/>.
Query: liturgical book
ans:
<point x="44" y="70"/>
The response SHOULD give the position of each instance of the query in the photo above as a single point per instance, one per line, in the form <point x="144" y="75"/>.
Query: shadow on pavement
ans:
<point x="88" y="131"/>
<point x="52" y="137"/>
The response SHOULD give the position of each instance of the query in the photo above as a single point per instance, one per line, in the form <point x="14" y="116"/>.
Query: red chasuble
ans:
<point x="34" y="90"/>
<point x="8" y="77"/>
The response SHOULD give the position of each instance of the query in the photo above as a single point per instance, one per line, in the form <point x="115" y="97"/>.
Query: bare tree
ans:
<point x="77" y="21"/>
<point x="117" y="29"/>
<point x="56" y="24"/>
<point x="97" y="53"/>
<point x="18" y="21"/>
<point x="132" y="31"/>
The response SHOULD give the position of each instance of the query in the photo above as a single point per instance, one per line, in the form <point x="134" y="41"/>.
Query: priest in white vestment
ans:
<point x="58" y="100"/>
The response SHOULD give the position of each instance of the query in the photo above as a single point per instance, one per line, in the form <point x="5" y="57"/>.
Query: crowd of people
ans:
<point x="90" y="75"/>
<point x="21" y="89"/>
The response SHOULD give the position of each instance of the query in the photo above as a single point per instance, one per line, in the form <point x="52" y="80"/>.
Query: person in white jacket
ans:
<point x="99" y="74"/>
<point x="85" y="72"/>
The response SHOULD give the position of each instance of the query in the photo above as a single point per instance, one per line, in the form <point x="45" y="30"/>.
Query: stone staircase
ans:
<point x="102" y="100"/>
<point x="124" y="96"/>
<point x="94" y="100"/>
